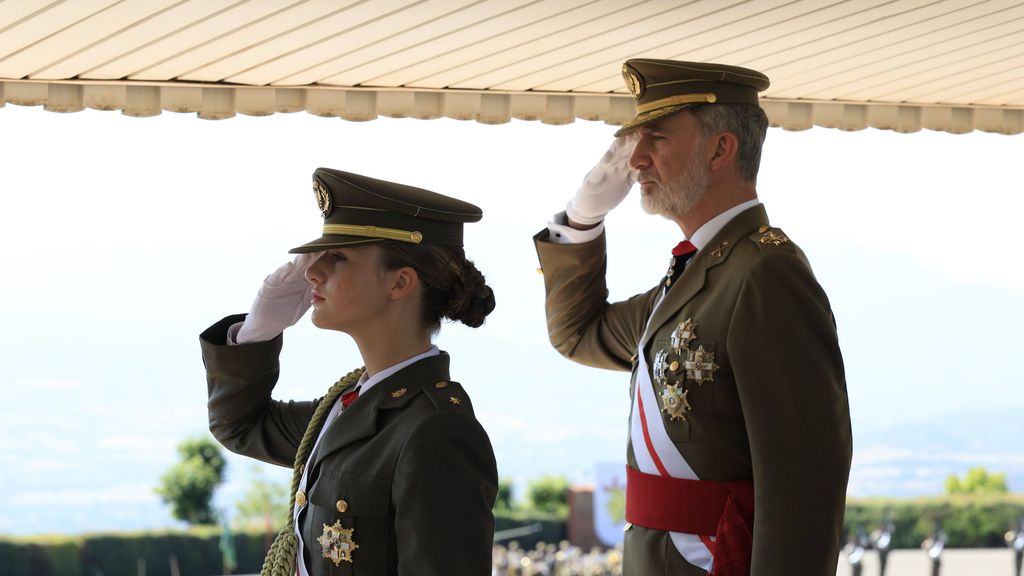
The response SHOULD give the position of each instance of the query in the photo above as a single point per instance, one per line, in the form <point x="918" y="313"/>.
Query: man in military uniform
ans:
<point x="740" y="443"/>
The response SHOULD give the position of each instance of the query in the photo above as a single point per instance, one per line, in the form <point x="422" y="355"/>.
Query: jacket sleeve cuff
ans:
<point x="559" y="231"/>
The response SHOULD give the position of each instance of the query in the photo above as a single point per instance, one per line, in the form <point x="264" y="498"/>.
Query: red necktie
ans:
<point x="684" y="248"/>
<point x="349" y="397"/>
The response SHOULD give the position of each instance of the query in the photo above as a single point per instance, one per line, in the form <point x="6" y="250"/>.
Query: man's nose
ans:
<point x="639" y="159"/>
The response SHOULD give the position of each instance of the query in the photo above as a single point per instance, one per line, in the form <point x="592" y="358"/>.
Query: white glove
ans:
<point x="281" y="302"/>
<point x="606" y="185"/>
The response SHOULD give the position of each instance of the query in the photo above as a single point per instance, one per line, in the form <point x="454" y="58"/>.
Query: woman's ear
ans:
<point x="403" y="282"/>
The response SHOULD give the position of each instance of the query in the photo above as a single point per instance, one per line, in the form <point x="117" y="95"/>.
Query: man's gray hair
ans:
<point x="748" y="122"/>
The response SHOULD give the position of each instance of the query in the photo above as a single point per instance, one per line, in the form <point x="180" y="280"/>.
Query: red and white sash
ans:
<point x="656" y="454"/>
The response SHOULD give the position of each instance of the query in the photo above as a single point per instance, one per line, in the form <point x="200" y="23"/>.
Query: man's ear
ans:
<point x="724" y="153"/>
<point x="403" y="282"/>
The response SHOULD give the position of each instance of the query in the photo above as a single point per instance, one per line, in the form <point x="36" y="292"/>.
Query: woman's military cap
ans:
<point x="661" y="87"/>
<point x="359" y="210"/>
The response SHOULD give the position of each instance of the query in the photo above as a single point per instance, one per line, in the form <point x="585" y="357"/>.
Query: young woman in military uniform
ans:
<point x="393" y="474"/>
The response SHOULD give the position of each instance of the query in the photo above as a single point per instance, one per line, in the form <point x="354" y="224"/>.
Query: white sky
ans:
<point x="122" y="238"/>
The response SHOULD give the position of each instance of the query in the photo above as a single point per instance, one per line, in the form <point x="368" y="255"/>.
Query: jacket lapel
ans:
<point x="360" y="420"/>
<point x="694" y="276"/>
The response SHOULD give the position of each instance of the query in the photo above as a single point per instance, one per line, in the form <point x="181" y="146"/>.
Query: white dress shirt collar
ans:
<point x="705" y="233"/>
<point x="365" y="383"/>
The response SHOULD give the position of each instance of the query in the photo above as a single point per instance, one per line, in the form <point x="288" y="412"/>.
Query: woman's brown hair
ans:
<point x="453" y="287"/>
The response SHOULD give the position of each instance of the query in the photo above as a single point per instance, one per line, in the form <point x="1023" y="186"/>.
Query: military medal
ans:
<point x="700" y="365"/>
<point x="674" y="402"/>
<point x="659" y="366"/>
<point x="337" y="543"/>
<point x="683" y="334"/>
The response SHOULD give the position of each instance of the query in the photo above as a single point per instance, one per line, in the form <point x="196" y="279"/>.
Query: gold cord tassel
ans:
<point x="281" y="557"/>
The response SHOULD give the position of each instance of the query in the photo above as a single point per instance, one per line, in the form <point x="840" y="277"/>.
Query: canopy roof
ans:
<point x="952" y="65"/>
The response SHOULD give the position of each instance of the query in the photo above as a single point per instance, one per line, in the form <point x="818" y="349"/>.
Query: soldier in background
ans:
<point x="1015" y="540"/>
<point x="881" y="539"/>
<point x="933" y="545"/>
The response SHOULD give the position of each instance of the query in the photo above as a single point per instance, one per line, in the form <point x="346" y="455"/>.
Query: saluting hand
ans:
<point x="606" y="185"/>
<point x="282" y="300"/>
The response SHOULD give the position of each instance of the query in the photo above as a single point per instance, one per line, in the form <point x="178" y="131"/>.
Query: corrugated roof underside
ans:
<point x="857" y="59"/>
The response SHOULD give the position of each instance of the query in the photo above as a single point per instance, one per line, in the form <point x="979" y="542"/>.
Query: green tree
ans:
<point x="265" y="503"/>
<point x="503" y="503"/>
<point x="188" y="486"/>
<point x="549" y="494"/>
<point x="977" y="480"/>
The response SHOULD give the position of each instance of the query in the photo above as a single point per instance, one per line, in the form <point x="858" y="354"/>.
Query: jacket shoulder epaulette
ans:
<point x="448" y="395"/>
<point x="770" y="239"/>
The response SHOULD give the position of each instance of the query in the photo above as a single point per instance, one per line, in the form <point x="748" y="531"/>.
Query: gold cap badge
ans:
<point x="633" y="81"/>
<point x="323" y="199"/>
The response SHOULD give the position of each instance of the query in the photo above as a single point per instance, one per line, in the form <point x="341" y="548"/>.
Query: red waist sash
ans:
<point x="721" y="509"/>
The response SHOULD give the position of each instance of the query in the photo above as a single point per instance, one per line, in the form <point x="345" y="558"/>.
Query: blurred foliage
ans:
<point x="264" y="504"/>
<point x="504" y="503"/>
<point x="188" y="486"/>
<point x="970" y="521"/>
<point x="196" y="551"/>
<point x="549" y="495"/>
<point x="977" y="481"/>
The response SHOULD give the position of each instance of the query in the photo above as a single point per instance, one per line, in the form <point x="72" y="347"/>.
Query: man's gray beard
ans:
<point x="674" y="199"/>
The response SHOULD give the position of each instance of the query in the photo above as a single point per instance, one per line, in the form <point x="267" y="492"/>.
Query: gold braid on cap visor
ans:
<point x="676" y="100"/>
<point x="414" y="237"/>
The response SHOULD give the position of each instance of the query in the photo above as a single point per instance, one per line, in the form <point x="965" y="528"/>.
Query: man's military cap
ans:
<point x="359" y="210"/>
<point x="661" y="87"/>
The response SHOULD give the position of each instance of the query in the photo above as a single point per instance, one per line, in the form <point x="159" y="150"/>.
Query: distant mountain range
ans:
<point x="915" y="457"/>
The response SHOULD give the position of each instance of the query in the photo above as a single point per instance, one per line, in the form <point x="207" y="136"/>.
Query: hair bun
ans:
<point x="471" y="299"/>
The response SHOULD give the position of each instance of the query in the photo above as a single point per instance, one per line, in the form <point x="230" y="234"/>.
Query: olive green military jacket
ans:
<point x="407" y="466"/>
<point x="775" y="410"/>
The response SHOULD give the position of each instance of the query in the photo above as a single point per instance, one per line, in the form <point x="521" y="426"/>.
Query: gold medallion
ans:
<point x="674" y="402"/>
<point x="683" y="334"/>
<point x="323" y="199"/>
<point x="337" y="543"/>
<point x="770" y="237"/>
<point x="700" y="365"/>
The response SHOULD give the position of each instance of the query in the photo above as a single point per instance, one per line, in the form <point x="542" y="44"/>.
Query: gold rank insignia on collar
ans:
<point x="337" y="543"/>
<point x="399" y="393"/>
<point x="674" y="402"/>
<point x="769" y="236"/>
<point x="700" y="365"/>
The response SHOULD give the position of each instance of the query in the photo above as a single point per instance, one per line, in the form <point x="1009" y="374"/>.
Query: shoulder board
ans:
<point x="769" y="238"/>
<point x="448" y="395"/>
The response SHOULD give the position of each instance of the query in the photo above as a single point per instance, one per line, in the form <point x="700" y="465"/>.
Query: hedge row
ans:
<point x="968" y="521"/>
<point x="197" y="552"/>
